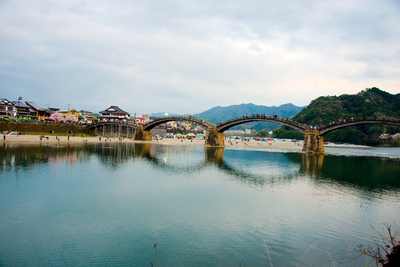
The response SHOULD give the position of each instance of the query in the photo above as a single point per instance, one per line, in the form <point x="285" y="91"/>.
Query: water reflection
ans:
<point x="113" y="156"/>
<point x="312" y="163"/>
<point x="362" y="172"/>
<point x="15" y="157"/>
<point x="251" y="167"/>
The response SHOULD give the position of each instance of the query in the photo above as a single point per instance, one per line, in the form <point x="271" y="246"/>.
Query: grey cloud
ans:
<point x="181" y="52"/>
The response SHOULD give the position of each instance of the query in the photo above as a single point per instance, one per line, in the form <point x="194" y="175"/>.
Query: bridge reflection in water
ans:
<point x="312" y="163"/>
<point x="313" y="135"/>
<point x="185" y="159"/>
<point x="251" y="167"/>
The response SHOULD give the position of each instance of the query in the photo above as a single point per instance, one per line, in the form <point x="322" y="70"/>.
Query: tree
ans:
<point x="262" y="133"/>
<point x="71" y="118"/>
<point x="56" y="116"/>
<point x="386" y="253"/>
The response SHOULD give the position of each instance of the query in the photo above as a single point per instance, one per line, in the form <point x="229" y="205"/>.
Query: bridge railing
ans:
<point x="357" y="119"/>
<point x="261" y="116"/>
<point x="114" y="122"/>
<point x="183" y="118"/>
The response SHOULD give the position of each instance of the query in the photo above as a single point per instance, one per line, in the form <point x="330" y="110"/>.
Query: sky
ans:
<point x="185" y="57"/>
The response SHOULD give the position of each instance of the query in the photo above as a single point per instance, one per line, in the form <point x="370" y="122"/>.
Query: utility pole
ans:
<point x="19" y="100"/>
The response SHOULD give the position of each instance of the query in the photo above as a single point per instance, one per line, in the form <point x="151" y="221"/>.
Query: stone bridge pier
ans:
<point x="313" y="142"/>
<point x="214" y="138"/>
<point x="141" y="134"/>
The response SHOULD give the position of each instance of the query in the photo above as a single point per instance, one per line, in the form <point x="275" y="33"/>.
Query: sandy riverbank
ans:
<point x="35" y="139"/>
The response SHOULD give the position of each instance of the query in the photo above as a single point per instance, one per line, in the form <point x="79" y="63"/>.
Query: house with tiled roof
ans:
<point x="7" y="108"/>
<point x="37" y="111"/>
<point x="22" y="109"/>
<point x="113" y="113"/>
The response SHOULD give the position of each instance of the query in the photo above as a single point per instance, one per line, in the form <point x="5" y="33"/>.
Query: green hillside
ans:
<point x="368" y="103"/>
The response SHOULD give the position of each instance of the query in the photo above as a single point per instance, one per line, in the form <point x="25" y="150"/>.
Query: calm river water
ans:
<point x="107" y="205"/>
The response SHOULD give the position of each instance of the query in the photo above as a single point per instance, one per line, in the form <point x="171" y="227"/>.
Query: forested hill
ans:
<point x="370" y="102"/>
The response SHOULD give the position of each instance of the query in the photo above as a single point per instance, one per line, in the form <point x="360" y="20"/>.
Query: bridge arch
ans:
<point x="115" y="128"/>
<point x="333" y="127"/>
<point x="231" y="123"/>
<point x="159" y="121"/>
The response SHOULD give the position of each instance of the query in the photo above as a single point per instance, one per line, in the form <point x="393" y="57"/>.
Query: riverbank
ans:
<point x="36" y="139"/>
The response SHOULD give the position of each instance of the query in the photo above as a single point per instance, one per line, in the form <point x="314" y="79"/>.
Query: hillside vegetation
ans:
<point x="370" y="102"/>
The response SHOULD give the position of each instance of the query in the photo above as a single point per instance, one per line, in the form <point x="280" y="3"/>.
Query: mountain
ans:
<point x="218" y="114"/>
<point x="370" y="102"/>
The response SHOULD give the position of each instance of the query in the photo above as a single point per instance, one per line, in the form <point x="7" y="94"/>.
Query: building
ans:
<point x="113" y="113"/>
<point x="69" y="112"/>
<point x="22" y="110"/>
<point x="37" y="111"/>
<point x="146" y="117"/>
<point x="85" y="116"/>
<point x="140" y="121"/>
<point x="7" y="108"/>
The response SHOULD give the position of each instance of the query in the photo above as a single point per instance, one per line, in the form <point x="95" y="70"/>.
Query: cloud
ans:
<point x="186" y="57"/>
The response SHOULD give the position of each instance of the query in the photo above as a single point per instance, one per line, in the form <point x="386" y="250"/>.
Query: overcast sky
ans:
<point x="183" y="56"/>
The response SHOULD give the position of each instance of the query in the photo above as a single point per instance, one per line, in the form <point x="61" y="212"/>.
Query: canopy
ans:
<point x="178" y="134"/>
<point x="190" y="134"/>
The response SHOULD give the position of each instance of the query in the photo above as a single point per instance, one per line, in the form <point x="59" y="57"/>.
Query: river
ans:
<point x="108" y="204"/>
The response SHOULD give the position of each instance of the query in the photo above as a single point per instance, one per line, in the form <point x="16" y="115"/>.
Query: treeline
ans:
<point x="370" y="102"/>
<point x="286" y="132"/>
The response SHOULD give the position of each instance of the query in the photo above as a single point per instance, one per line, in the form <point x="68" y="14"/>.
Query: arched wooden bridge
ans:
<point x="223" y="126"/>
<point x="313" y="140"/>
<point x="159" y="121"/>
<point x="118" y="129"/>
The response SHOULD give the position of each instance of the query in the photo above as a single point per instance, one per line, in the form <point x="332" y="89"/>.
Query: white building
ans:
<point x="7" y="108"/>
